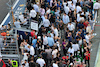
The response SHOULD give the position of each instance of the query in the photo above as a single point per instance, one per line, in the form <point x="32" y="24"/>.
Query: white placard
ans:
<point x="34" y="26"/>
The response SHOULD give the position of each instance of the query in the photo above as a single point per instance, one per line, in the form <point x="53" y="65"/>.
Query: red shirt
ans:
<point x="87" y="56"/>
<point x="3" y="33"/>
<point x="85" y="24"/>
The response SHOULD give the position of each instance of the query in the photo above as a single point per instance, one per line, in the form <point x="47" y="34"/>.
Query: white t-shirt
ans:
<point x="71" y="27"/>
<point x="78" y="9"/>
<point x="45" y="40"/>
<point x="87" y="38"/>
<point x="46" y="23"/>
<point x="17" y="24"/>
<point x="69" y="3"/>
<point x="48" y="11"/>
<point x="75" y="47"/>
<point x="78" y="17"/>
<point x="72" y="7"/>
<point x="36" y="7"/>
<point x="54" y="53"/>
<point x="55" y="65"/>
<point x="74" y="2"/>
<point x="32" y="51"/>
<point x="21" y="17"/>
<point x="71" y="50"/>
<point x="56" y="32"/>
<point x="26" y="47"/>
<point x="96" y="5"/>
<point x="25" y="20"/>
<point x="66" y="9"/>
<point x="33" y="13"/>
<point x="40" y="61"/>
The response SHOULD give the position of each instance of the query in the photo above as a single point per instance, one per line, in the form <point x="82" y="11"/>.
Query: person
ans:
<point x="65" y="18"/>
<point x="45" y="41"/>
<point x="17" y="24"/>
<point x="33" y="14"/>
<point x="76" y="48"/>
<point x="78" y="8"/>
<point x="21" y="17"/>
<point x="32" y="63"/>
<point x="71" y="50"/>
<point x="54" y="53"/>
<point x="41" y="61"/>
<point x="87" y="57"/>
<point x="32" y="51"/>
<point x="96" y="7"/>
<point x="71" y="27"/>
<point x="34" y="41"/>
<point x="49" y="55"/>
<point x="55" y="64"/>
<point x="50" y="41"/>
<point x="46" y="22"/>
<point x="66" y="9"/>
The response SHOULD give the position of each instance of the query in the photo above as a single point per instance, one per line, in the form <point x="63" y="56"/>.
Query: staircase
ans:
<point x="9" y="50"/>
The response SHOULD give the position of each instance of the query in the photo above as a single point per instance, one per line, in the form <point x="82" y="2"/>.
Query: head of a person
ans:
<point x="64" y="14"/>
<point x="70" y="23"/>
<point x="87" y="33"/>
<point x="29" y="46"/>
<point x="59" y="2"/>
<point x="53" y="48"/>
<point x="67" y="4"/>
<point x="88" y="24"/>
<point x="45" y="16"/>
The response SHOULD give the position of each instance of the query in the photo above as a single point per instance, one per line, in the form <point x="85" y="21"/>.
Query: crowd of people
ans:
<point x="73" y="19"/>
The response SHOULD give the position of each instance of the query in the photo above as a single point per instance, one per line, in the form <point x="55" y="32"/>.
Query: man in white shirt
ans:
<point x="88" y="37"/>
<point x="46" y="22"/>
<point x="48" y="10"/>
<point x="17" y="24"/>
<point x="76" y="48"/>
<point x="65" y="18"/>
<point x="55" y="64"/>
<point x="21" y="17"/>
<point x="96" y="7"/>
<point x="72" y="7"/>
<point x="32" y="51"/>
<point x="45" y="41"/>
<point x="40" y="61"/>
<point x="66" y="9"/>
<point x="55" y="31"/>
<point x="71" y="50"/>
<point x="71" y="27"/>
<point x="36" y="7"/>
<point x="33" y="14"/>
<point x="54" y="53"/>
<point x="78" y="8"/>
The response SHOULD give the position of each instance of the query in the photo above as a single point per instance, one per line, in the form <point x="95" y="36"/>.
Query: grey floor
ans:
<point x="95" y="43"/>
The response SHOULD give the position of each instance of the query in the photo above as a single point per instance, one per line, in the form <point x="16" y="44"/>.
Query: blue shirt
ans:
<point x="34" y="41"/>
<point x="50" y="41"/>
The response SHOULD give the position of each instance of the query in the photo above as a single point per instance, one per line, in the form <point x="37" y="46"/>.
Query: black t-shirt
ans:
<point x="32" y="64"/>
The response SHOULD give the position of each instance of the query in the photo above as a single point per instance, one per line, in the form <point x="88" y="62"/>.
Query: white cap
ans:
<point x="71" y="63"/>
<point x="39" y="37"/>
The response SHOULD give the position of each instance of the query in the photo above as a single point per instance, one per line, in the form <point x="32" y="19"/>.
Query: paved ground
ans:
<point x="95" y="43"/>
<point x="3" y="9"/>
